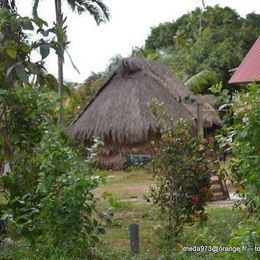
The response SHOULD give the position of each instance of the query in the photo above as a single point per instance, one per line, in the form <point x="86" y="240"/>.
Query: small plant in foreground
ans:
<point x="245" y="163"/>
<point x="52" y="203"/>
<point x="182" y="178"/>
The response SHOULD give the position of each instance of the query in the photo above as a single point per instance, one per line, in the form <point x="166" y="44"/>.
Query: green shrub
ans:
<point x="182" y="178"/>
<point x="28" y="113"/>
<point x="243" y="138"/>
<point x="49" y="185"/>
<point x="50" y="197"/>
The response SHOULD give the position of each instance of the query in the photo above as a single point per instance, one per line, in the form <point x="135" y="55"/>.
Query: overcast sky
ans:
<point x="92" y="46"/>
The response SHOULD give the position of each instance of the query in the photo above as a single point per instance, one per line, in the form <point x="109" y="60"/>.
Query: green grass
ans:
<point x="147" y="216"/>
<point x="125" y="185"/>
<point x="126" y="191"/>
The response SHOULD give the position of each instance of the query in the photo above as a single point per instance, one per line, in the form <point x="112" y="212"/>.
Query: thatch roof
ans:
<point x="120" y="111"/>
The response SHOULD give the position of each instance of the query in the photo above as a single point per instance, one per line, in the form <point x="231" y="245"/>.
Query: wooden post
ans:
<point x="134" y="238"/>
<point x="200" y="130"/>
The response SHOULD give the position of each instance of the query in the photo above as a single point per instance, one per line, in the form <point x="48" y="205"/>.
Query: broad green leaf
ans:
<point x="25" y="48"/>
<point x="217" y="88"/>
<point x="21" y="73"/>
<point x="44" y="50"/>
<point x="5" y="216"/>
<point x="39" y="22"/>
<point x="27" y="24"/>
<point x="11" y="52"/>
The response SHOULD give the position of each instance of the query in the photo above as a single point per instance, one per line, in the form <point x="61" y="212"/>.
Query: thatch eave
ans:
<point x="120" y="110"/>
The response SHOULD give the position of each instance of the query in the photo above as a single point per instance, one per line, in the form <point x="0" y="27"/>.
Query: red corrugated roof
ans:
<point x="249" y="69"/>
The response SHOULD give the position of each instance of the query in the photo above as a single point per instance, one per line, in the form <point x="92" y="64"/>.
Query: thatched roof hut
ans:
<point x="120" y="112"/>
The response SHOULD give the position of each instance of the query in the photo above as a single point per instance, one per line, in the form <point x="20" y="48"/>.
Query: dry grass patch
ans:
<point x="126" y="185"/>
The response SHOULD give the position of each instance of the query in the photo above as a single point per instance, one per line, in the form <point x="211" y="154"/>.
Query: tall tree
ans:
<point x="16" y="70"/>
<point x="212" y="39"/>
<point x="96" y="8"/>
<point x="59" y="25"/>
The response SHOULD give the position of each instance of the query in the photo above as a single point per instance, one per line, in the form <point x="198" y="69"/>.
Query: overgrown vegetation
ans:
<point x="182" y="178"/>
<point x="182" y="173"/>
<point x="241" y="137"/>
<point x="48" y="186"/>
<point x="50" y="199"/>
<point x="51" y="192"/>
<point x="244" y="134"/>
<point x="127" y="190"/>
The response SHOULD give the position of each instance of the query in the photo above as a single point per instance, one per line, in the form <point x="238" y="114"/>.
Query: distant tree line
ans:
<point x="214" y="39"/>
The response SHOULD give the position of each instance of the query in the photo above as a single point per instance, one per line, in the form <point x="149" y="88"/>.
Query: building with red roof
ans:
<point x="249" y="69"/>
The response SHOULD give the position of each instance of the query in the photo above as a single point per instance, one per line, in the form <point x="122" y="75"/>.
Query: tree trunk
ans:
<point x="203" y="4"/>
<point x="59" y="21"/>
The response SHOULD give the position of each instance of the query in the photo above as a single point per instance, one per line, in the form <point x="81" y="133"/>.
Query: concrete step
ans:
<point x="217" y="189"/>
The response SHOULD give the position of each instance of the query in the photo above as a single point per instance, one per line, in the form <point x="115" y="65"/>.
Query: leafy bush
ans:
<point x="49" y="185"/>
<point x="50" y="197"/>
<point x="24" y="103"/>
<point x="241" y="136"/>
<point x="182" y="178"/>
<point x="28" y="113"/>
<point x="244" y="140"/>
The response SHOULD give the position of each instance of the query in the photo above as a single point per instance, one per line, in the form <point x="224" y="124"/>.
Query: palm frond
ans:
<point x="71" y="61"/>
<point x="96" y="8"/>
<point x="200" y="82"/>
